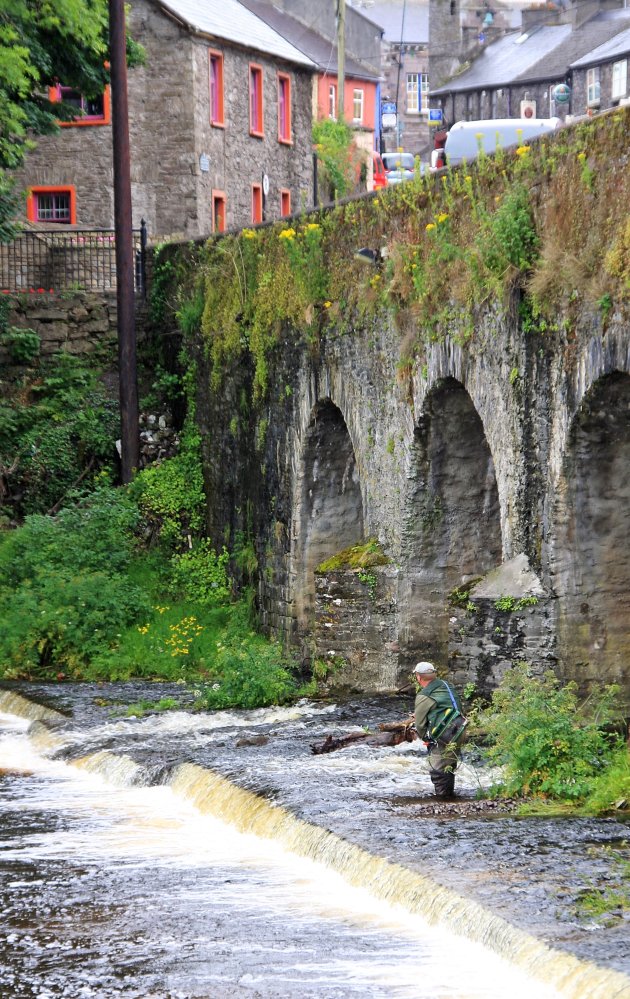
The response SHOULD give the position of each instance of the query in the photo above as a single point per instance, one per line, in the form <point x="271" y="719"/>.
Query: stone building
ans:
<point x="220" y="128"/>
<point x="405" y="61"/>
<point x="313" y="32"/>
<point x="517" y="74"/>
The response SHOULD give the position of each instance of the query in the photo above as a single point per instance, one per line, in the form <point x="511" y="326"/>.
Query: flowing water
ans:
<point x="113" y="888"/>
<point x="130" y="891"/>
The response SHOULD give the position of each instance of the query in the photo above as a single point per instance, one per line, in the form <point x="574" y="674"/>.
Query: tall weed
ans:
<point x="549" y="743"/>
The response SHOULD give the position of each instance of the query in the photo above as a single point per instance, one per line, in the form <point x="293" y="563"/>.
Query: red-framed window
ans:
<point x="257" y="203"/>
<point x="256" y="126"/>
<point x="284" y="108"/>
<point x="285" y="203"/>
<point x="52" y="204"/>
<point x="215" y="70"/>
<point x="219" y="202"/>
<point x="90" y="111"/>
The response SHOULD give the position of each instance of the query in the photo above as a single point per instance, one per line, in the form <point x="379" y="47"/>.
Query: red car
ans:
<point x="379" y="175"/>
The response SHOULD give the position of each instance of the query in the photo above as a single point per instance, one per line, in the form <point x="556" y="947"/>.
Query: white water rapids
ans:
<point x="130" y="891"/>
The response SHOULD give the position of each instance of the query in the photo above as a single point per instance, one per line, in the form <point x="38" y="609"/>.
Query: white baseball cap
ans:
<point x="424" y="669"/>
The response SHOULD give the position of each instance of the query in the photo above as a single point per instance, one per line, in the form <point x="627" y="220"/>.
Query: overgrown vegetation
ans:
<point x="552" y="746"/>
<point x="448" y="245"/>
<point x="58" y="427"/>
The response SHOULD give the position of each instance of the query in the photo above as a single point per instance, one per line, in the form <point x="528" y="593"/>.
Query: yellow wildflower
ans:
<point x="327" y="305"/>
<point x="522" y="150"/>
<point x="287" y="234"/>
<point x="468" y="178"/>
<point x="429" y="226"/>
<point x="581" y="157"/>
<point x="249" y="234"/>
<point x="442" y="217"/>
<point x="312" y="226"/>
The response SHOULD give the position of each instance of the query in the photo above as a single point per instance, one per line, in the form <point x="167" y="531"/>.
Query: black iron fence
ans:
<point x="66" y="259"/>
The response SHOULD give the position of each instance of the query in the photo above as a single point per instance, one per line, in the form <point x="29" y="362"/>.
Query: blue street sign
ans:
<point x="435" y="114"/>
<point x="388" y="107"/>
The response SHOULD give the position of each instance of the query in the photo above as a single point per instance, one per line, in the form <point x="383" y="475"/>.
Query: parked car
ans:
<point x="379" y="174"/>
<point x="399" y="167"/>
<point x="466" y="139"/>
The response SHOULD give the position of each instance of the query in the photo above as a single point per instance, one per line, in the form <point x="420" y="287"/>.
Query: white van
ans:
<point x="465" y="139"/>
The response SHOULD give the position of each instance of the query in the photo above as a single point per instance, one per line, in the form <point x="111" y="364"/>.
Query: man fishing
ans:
<point x="440" y="723"/>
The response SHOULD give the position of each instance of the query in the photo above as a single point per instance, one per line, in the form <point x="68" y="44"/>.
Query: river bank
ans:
<point x="527" y="872"/>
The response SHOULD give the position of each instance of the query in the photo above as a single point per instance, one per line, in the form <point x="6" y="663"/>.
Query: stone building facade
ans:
<point x="515" y="74"/>
<point x="190" y="175"/>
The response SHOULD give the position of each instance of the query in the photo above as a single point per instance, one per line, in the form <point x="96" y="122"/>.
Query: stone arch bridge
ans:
<point x="503" y="463"/>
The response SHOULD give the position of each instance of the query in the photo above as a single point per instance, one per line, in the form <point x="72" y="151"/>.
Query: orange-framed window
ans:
<point x="285" y="203"/>
<point x="284" y="108"/>
<point x="257" y="203"/>
<point x="90" y="111"/>
<point x="52" y="204"/>
<point x="256" y="125"/>
<point x="219" y="202"/>
<point x="215" y="70"/>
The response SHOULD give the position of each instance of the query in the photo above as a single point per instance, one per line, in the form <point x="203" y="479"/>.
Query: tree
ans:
<point x="43" y="43"/>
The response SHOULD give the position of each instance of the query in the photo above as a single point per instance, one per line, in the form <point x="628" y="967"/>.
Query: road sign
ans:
<point x="388" y="107"/>
<point x="435" y="116"/>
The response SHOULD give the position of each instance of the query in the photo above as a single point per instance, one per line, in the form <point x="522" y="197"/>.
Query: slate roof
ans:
<point x="229" y="21"/>
<point x="318" y="49"/>
<point x="388" y="15"/>
<point x="617" y="46"/>
<point x="542" y="52"/>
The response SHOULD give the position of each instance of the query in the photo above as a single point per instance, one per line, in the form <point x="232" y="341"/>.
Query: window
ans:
<point x="256" y="100"/>
<point x="332" y="102"/>
<point x="417" y="93"/>
<point x="218" y="211"/>
<point x="90" y="110"/>
<point x="592" y="86"/>
<point x="413" y="95"/>
<point x="424" y="93"/>
<point x="619" y="79"/>
<point x="52" y="204"/>
<point x="216" y="88"/>
<point x="357" y="105"/>
<point x="257" y="203"/>
<point x="285" y="203"/>
<point x="284" y="108"/>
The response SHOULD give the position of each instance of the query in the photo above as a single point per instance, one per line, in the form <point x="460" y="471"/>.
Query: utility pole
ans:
<point x="400" y="62"/>
<point x="341" y="57"/>
<point x="127" y="370"/>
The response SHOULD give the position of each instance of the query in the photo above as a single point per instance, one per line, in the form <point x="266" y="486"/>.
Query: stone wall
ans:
<point x="79" y="323"/>
<point x="356" y="627"/>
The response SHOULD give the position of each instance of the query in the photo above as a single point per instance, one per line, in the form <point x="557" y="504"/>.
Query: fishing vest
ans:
<point x="445" y="721"/>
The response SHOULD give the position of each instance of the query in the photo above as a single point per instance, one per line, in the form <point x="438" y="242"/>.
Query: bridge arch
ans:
<point x="328" y="513"/>
<point x="452" y="529"/>
<point x="589" y="542"/>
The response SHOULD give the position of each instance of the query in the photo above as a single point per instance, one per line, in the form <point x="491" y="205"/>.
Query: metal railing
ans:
<point x="62" y="258"/>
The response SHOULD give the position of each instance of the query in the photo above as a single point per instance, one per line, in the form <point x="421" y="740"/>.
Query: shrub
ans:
<point x="57" y="428"/>
<point x="549" y="744"/>
<point x="200" y="575"/>
<point x="22" y="345"/>
<point x="170" y="495"/>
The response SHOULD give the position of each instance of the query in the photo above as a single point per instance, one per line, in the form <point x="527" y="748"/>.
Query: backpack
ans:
<point x="449" y="724"/>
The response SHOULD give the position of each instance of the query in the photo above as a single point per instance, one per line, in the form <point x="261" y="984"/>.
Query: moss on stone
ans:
<point x="363" y="556"/>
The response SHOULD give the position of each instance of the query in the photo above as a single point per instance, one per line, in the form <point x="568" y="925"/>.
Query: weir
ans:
<point x="212" y="794"/>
